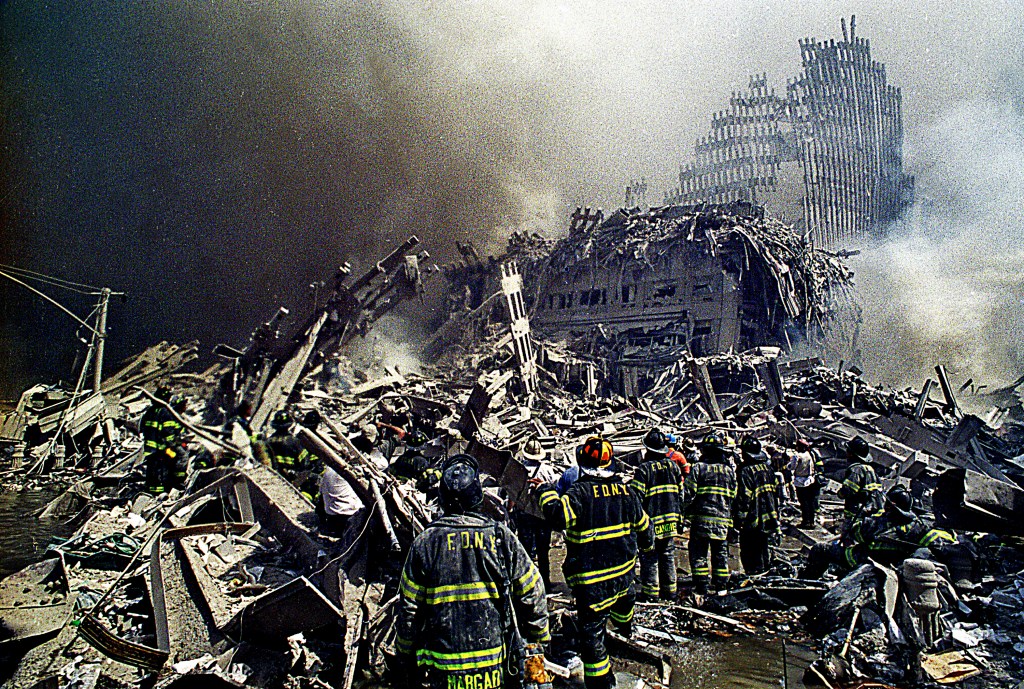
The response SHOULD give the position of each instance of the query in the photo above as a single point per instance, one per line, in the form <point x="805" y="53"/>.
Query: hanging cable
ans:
<point x="60" y="282"/>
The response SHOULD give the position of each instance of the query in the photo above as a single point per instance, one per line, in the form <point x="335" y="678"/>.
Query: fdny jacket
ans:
<point x="756" y="497"/>
<point x="861" y="491"/>
<point x="289" y="457"/>
<point x="658" y="483"/>
<point x="459" y="578"/>
<point x="604" y="524"/>
<point x="160" y="431"/>
<point x="890" y="541"/>
<point x="712" y="489"/>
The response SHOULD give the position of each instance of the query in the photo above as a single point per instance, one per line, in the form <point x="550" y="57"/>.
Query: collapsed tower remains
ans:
<point x="827" y="157"/>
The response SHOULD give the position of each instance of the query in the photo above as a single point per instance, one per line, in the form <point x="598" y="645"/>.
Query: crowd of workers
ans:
<point x="472" y="596"/>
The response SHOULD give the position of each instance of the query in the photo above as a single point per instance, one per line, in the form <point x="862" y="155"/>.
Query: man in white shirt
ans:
<point x="340" y="502"/>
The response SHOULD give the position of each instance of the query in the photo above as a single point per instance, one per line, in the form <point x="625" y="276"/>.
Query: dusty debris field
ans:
<point x="230" y="579"/>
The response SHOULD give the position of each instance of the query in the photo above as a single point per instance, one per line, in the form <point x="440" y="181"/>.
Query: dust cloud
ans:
<point x="947" y="285"/>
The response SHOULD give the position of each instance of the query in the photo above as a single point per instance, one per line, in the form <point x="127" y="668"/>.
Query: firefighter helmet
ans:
<point x="857" y="449"/>
<point x="596" y="453"/>
<point x="282" y="420"/>
<point x="655" y="441"/>
<point x="416" y="439"/>
<point x="460" y="487"/>
<point x="534" y="451"/>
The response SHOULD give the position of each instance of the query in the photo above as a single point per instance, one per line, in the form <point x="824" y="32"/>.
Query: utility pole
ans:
<point x="101" y="339"/>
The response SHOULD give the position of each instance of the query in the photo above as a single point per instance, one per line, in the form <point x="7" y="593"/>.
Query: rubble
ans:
<point x="231" y="578"/>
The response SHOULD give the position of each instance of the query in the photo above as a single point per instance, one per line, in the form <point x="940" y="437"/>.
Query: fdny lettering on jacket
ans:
<point x="607" y="490"/>
<point x="471" y="540"/>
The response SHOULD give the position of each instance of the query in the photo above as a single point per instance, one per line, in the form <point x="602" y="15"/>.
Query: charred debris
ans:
<point x="685" y="318"/>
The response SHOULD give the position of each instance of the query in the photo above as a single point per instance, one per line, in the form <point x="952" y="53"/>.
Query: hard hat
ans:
<point x="655" y="441"/>
<point x="533" y="450"/>
<point x="163" y="393"/>
<point x="713" y="445"/>
<point x="857" y="448"/>
<point x="416" y="439"/>
<point x="178" y="403"/>
<point x="596" y="453"/>
<point x="282" y="420"/>
<point x="460" y="488"/>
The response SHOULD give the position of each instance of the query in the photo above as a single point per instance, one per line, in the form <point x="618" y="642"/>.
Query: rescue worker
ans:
<point x="535" y="532"/>
<point x="466" y="583"/>
<point x="411" y="465"/>
<point x="711" y="487"/>
<point x="290" y="459"/>
<point x="861" y="491"/>
<point x="674" y="449"/>
<point x="888" y="539"/>
<point x="161" y="434"/>
<point x="757" y="515"/>
<point x="604" y="525"/>
<point x="339" y="502"/>
<point x="806" y="468"/>
<point x="658" y="482"/>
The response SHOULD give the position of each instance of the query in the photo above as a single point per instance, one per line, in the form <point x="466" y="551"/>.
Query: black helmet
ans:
<point x="750" y="446"/>
<point x="178" y="403"/>
<point x="857" y="448"/>
<point x="282" y="420"/>
<point x="596" y="453"/>
<point x="900" y="502"/>
<point x="460" y="487"/>
<point x="312" y="419"/>
<point x="163" y="393"/>
<point x="655" y="441"/>
<point x="416" y="439"/>
<point x="713" y="445"/>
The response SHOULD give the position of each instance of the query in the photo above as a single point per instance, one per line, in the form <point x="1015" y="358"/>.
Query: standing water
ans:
<point x="23" y="537"/>
<point x="739" y="663"/>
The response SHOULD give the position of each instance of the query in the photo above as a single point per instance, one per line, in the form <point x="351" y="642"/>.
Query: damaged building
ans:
<point x="826" y="156"/>
<point x="639" y="291"/>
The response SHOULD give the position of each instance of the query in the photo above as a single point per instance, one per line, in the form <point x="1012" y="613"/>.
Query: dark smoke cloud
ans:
<point x="213" y="159"/>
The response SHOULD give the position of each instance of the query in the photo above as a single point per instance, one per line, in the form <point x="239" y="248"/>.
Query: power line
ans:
<point x="49" y="279"/>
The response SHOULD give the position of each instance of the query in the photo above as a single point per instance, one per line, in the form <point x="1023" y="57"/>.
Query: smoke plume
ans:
<point x="946" y="287"/>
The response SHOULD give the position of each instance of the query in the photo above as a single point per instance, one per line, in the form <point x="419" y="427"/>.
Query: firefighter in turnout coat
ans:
<point x="757" y="515"/>
<point x="466" y="582"/>
<point x="605" y="525"/>
<point x="658" y="482"/>
<point x="861" y="491"/>
<point x="711" y="488"/>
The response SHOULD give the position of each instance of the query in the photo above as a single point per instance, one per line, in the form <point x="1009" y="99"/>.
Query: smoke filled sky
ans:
<point x="213" y="159"/>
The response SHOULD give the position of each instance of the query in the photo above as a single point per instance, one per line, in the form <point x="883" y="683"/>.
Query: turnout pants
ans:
<point x="657" y="566"/>
<point x="754" y="553"/>
<point x="719" y="569"/>
<point x="597" y="669"/>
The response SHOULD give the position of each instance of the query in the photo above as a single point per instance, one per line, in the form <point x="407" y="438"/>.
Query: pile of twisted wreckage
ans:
<point x="680" y="318"/>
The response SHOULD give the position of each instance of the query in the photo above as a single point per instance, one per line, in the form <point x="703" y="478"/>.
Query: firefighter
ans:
<point x="411" y="464"/>
<point x="604" y="525"/>
<point x="711" y="487"/>
<point x="861" y="491"/>
<point x="658" y="482"/>
<point x="888" y="539"/>
<point x="289" y="458"/>
<point x="756" y="507"/>
<point x="161" y="433"/>
<point x="535" y="532"/>
<point x="466" y="583"/>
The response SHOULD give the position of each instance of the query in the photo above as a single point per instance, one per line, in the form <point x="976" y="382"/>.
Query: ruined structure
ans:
<point x="827" y="156"/>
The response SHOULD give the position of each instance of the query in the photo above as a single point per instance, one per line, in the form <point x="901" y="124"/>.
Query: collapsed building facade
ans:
<point x="827" y="156"/>
<point x="639" y="291"/>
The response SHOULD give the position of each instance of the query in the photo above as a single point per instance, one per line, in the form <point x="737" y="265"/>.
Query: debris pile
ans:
<point x="234" y="574"/>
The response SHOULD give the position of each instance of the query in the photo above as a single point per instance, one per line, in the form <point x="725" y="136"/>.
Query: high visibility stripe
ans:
<point x="464" y="660"/>
<point x="602" y="534"/>
<point x="608" y="602"/>
<point x="570" y="516"/>
<point x="667" y="518"/>
<point x="403" y="645"/>
<point x="649" y="590"/>
<point x="937" y="535"/>
<point x="848" y="555"/>
<point x="716" y="490"/>
<point x="527" y="582"/>
<point x="548" y="497"/>
<point x="621" y="619"/>
<point x="873" y="486"/>
<point x="701" y="571"/>
<point x="721" y="572"/>
<point x="639" y="487"/>
<point x="661" y="490"/>
<point x="599" y="575"/>
<point x="725" y="521"/>
<point x="852" y="485"/>
<point x="478" y="590"/>
<point x="643" y="524"/>
<point x="598" y="669"/>
<point x="762" y="490"/>
<point x="412" y="590"/>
